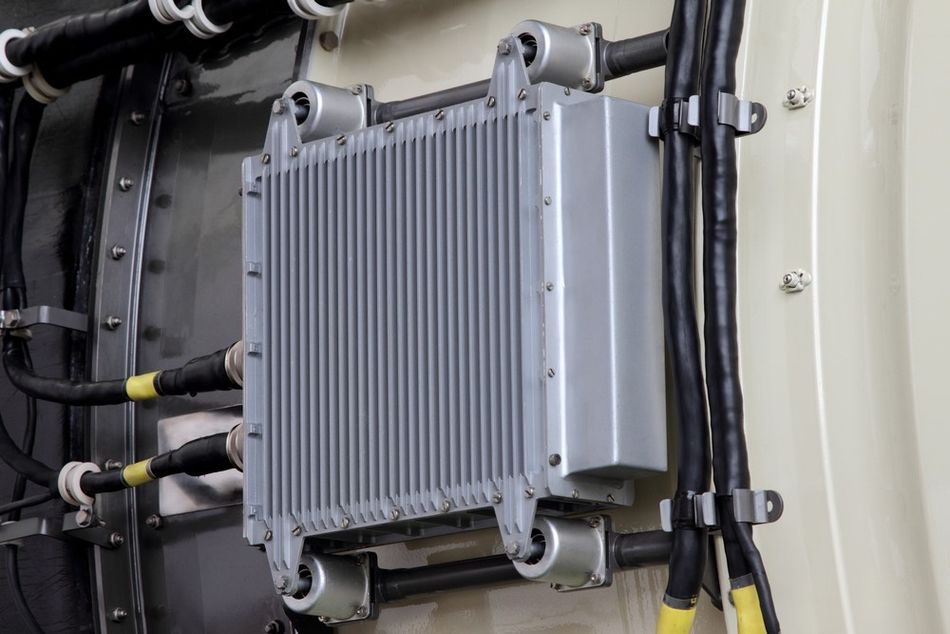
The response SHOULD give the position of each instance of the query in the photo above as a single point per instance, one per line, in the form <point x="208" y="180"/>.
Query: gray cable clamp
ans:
<point x="747" y="117"/>
<point x="749" y="506"/>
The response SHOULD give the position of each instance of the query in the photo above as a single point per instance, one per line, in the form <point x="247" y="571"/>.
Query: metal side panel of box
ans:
<point x="401" y="336"/>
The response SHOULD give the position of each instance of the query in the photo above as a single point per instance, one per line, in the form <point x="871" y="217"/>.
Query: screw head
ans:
<point x="112" y="322"/>
<point x="362" y="612"/>
<point x="268" y="535"/>
<point x="529" y="492"/>
<point x="282" y="583"/>
<point x="345" y="522"/>
<point x="329" y="41"/>
<point x="274" y="627"/>
<point x="440" y="114"/>
<point x="554" y="459"/>
<point x="575" y="493"/>
<point x="154" y="521"/>
<point x="137" y="117"/>
<point x="116" y="539"/>
<point x="593" y="522"/>
<point x="512" y="548"/>
<point x="792" y="94"/>
<point x="117" y="615"/>
<point x="394" y="514"/>
<point x="555" y="586"/>
<point x="356" y="89"/>
<point x="549" y="286"/>
<point x="118" y="251"/>
<point x="504" y="47"/>
<point x="126" y="183"/>
<point x="596" y="579"/>
<point x="278" y="106"/>
<point x="496" y="497"/>
<point x="390" y="126"/>
<point x="546" y="115"/>
<point x="490" y="102"/>
<point x="297" y="530"/>
<point x="294" y="151"/>
<point x="610" y="498"/>
<point x="522" y="94"/>
<point x="341" y="140"/>
<point x="587" y="84"/>
<point x="112" y="464"/>
<point x="446" y="506"/>
<point x="182" y="86"/>
<point x="265" y="158"/>
<point x="551" y="372"/>
<point x="584" y="29"/>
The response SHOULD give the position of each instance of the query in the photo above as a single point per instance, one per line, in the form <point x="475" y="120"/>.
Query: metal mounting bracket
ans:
<point x="17" y="319"/>
<point x="747" y="117"/>
<point x="748" y="506"/>
<point x="675" y="117"/>
<point x="80" y="525"/>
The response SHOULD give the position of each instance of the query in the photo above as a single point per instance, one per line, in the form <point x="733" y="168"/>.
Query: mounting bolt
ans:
<point x="294" y="151"/>
<point x="126" y="183"/>
<point x="587" y="84"/>
<point x="341" y="140"/>
<point x="137" y="117"/>
<point x="265" y="158"/>
<point x="182" y="86"/>
<point x="329" y="41"/>
<point x="554" y="459"/>
<point x="584" y="29"/>
<point x="268" y="535"/>
<point x="356" y="89"/>
<point x="112" y="322"/>
<point x="610" y="498"/>
<point x="446" y="506"/>
<point x="795" y="281"/>
<point x="362" y="612"/>
<point x="274" y="627"/>
<point x="593" y="522"/>
<point x="797" y="98"/>
<point x="394" y="514"/>
<point x="575" y="493"/>
<point x="345" y="522"/>
<point x="522" y="94"/>
<point x="504" y="47"/>
<point x="440" y="114"/>
<point x="491" y="102"/>
<point x="390" y="126"/>
<point x="549" y="286"/>
<point x="116" y="539"/>
<point x="154" y="521"/>
<point x="551" y="372"/>
<point x="112" y="464"/>
<point x="282" y="583"/>
<point x="118" y="251"/>
<point x="296" y="531"/>
<point x="546" y="115"/>
<point x="547" y="200"/>
<point x="529" y="492"/>
<point x="596" y="579"/>
<point x="117" y="615"/>
<point x="512" y="548"/>
<point x="496" y="497"/>
<point x="278" y="107"/>
<point x="323" y="619"/>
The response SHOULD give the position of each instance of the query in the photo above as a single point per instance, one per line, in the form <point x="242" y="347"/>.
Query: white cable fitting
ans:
<point x="8" y="70"/>
<point x="201" y="25"/>
<point x="69" y="480"/>
<point x="313" y="10"/>
<point x="40" y="89"/>
<point x="168" y="11"/>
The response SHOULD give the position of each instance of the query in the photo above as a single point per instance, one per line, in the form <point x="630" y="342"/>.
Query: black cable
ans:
<point x="29" y="439"/>
<point x="688" y="556"/>
<point x="720" y="179"/>
<point x="19" y="599"/>
<point x="33" y="500"/>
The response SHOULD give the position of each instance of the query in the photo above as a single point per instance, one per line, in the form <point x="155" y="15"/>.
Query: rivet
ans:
<point x="554" y="459"/>
<point x="137" y="117"/>
<point x="126" y="183"/>
<point x="265" y="158"/>
<point x="294" y="151"/>
<point x="118" y="251"/>
<point x="112" y="322"/>
<point x="491" y="102"/>
<point x="522" y="94"/>
<point x="341" y="140"/>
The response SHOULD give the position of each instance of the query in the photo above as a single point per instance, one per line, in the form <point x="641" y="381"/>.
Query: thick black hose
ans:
<point x="635" y="54"/>
<point x="688" y="556"/>
<point x="202" y="374"/>
<point x="34" y="470"/>
<point x="19" y="599"/>
<point x="720" y="179"/>
<point x="25" y="129"/>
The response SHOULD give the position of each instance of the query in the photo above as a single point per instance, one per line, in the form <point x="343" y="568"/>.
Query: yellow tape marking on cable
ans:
<point x="141" y="387"/>
<point x="675" y="620"/>
<point x="137" y="473"/>
<point x="748" y="610"/>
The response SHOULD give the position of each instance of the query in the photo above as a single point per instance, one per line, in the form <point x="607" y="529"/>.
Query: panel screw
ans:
<point x="116" y="539"/>
<point x="496" y="497"/>
<point x="356" y="89"/>
<point x="596" y="579"/>
<point x="551" y="372"/>
<point x="394" y="514"/>
<point x="390" y="126"/>
<point x="362" y="611"/>
<point x="296" y="531"/>
<point x="341" y="140"/>
<point x="278" y="107"/>
<point x="137" y="117"/>
<point x="294" y="151"/>
<point x="549" y="286"/>
<point x="112" y="322"/>
<point x="529" y="492"/>
<point x="795" y="281"/>
<point x="567" y="91"/>
<point x="504" y="47"/>
<point x="345" y="522"/>
<point x="584" y="29"/>
<point x="112" y="464"/>
<point x="610" y="498"/>
<point x="265" y="158"/>
<point x="797" y="98"/>
<point x="117" y="615"/>
<point x="446" y="506"/>
<point x="125" y="183"/>
<point x="439" y="115"/>
<point x="575" y="493"/>
<point x="268" y="535"/>
<point x="274" y="627"/>
<point x="329" y="40"/>
<point x="546" y="115"/>
<point x="587" y="84"/>
<point x="118" y="251"/>
<point x="491" y="102"/>
<point x="547" y="200"/>
<point x="554" y="459"/>
<point x="153" y="521"/>
<point x="522" y="94"/>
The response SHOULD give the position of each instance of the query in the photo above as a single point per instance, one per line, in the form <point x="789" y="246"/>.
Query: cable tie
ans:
<point x="313" y="10"/>
<point x="168" y="11"/>
<point x="9" y="71"/>
<point x="200" y="25"/>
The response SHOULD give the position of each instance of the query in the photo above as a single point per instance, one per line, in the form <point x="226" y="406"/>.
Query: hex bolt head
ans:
<point x="126" y="183"/>
<point x="112" y="322"/>
<point x="512" y="548"/>
<point x="116" y="539"/>
<point x="154" y="521"/>
<point x="277" y="107"/>
<point x="297" y="530"/>
<point x="504" y="47"/>
<point x="137" y="117"/>
<point x="118" y="251"/>
<point x="117" y="615"/>
<point x="356" y="89"/>
<point x="554" y="459"/>
<point x="282" y="583"/>
<point x="268" y="535"/>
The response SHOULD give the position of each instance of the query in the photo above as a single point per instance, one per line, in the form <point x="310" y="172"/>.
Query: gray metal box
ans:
<point x="452" y="323"/>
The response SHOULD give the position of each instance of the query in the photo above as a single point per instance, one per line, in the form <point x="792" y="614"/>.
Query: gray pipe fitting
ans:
<point x="565" y="56"/>
<point x="323" y="111"/>
<point x="575" y="553"/>
<point x="338" y="590"/>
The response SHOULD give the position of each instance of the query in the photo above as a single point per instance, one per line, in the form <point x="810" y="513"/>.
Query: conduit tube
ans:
<point x="720" y="178"/>
<point x="688" y="556"/>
